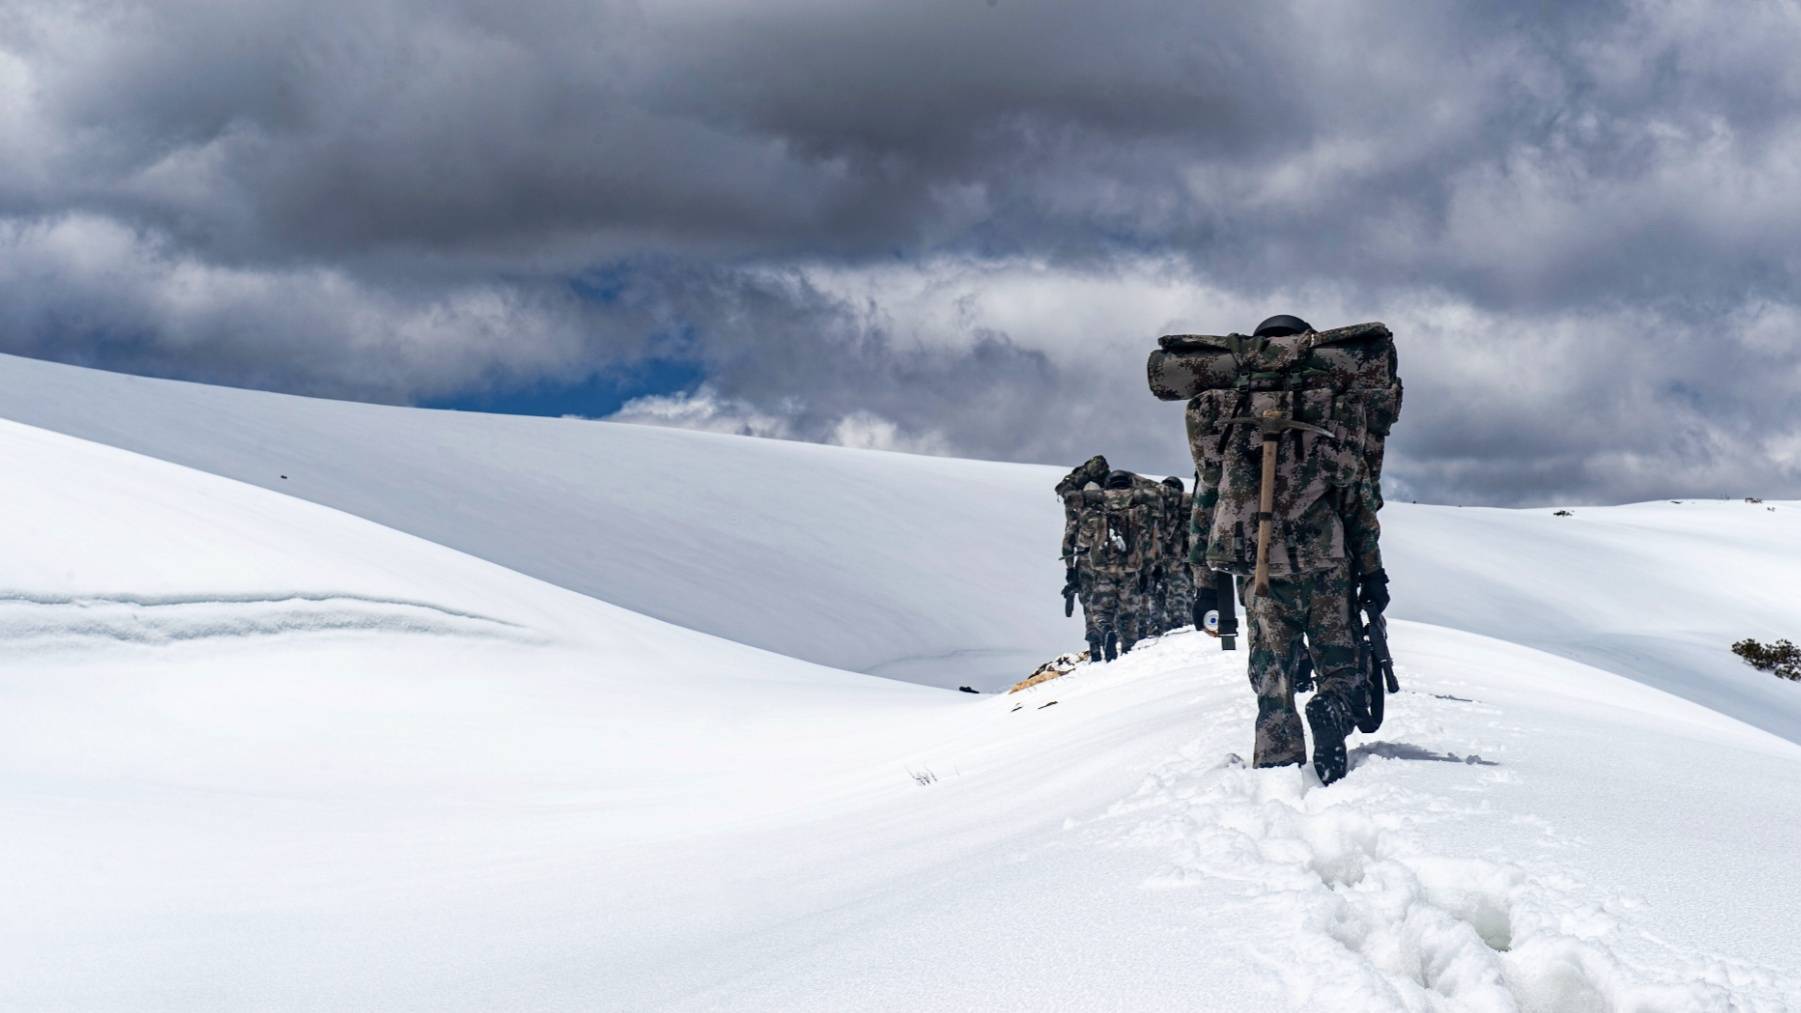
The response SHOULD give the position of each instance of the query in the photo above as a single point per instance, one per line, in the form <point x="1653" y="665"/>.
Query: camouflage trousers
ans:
<point x="1144" y="602"/>
<point x="1110" y="607"/>
<point x="1178" y="597"/>
<point x="1310" y="612"/>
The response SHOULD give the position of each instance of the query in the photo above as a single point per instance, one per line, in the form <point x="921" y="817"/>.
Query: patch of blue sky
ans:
<point x="594" y="396"/>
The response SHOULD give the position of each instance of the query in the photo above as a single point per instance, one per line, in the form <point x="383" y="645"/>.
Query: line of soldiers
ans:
<point x="1287" y="428"/>
<point x="1125" y="555"/>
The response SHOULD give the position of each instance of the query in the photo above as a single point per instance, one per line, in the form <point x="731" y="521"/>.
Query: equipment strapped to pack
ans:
<point x="1323" y="403"/>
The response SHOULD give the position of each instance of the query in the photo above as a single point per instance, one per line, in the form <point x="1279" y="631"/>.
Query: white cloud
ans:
<point x="703" y="409"/>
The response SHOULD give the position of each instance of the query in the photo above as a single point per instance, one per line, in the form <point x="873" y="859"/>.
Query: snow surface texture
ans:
<point x="931" y="570"/>
<point x="256" y="752"/>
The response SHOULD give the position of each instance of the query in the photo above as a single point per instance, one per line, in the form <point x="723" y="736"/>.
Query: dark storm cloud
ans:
<point x="1580" y="217"/>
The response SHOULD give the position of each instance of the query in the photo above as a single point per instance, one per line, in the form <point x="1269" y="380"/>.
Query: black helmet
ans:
<point x="1174" y="483"/>
<point x="1281" y="326"/>
<point x="1119" y="480"/>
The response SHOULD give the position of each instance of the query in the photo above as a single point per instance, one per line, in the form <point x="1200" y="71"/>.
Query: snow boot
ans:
<point x="1329" y="718"/>
<point x="1366" y="706"/>
<point x="1112" y="649"/>
<point x="1094" y="651"/>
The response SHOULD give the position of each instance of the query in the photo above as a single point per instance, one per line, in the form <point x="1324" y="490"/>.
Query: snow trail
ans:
<point x="1377" y="917"/>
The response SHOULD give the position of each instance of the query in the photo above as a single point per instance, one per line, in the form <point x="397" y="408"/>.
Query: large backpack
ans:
<point x="1324" y="401"/>
<point x="1118" y="530"/>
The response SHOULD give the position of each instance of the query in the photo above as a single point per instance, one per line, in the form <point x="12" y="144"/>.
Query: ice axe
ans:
<point x="1272" y="425"/>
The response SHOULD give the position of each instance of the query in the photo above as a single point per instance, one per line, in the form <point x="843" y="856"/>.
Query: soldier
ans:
<point x="1094" y="470"/>
<point x="1145" y="600"/>
<point x="1116" y="529"/>
<point x="1146" y="597"/>
<point x="1089" y="473"/>
<point x="1328" y="563"/>
<point x="1178" y="578"/>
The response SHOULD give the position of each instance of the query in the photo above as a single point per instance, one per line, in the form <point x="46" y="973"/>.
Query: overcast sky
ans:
<point x="950" y="226"/>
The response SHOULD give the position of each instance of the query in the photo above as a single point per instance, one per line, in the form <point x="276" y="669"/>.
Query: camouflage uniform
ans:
<point x="1323" y="402"/>
<point x="1325" y="523"/>
<point x="1093" y="471"/>
<point x="1178" y="580"/>
<point x="1306" y="610"/>
<point x="1115" y="532"/>
<point x="1076" y="509"/>
<point x="1315" y="606"/>
<point x="1148" y="597"/>
<point x="1145" y="597"/>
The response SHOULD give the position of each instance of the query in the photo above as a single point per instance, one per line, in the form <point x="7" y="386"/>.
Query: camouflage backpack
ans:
<point x="1118" y="530"/>
<point x="1282" y="430"/>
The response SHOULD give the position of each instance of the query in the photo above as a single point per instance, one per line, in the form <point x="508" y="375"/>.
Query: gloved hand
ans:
<point x="1206" y="610"/>
<point x="1373" y="594"/>
<point x="1303" y="671"/>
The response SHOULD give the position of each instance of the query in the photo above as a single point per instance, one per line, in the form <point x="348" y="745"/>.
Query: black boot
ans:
<point x="1366" y="708"/>
<point x="1329" y="718"/>
<point x="1094" y="650"/>
<point x="1112" y="645"/>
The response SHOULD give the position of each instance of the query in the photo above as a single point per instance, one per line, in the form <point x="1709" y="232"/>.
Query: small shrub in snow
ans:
<point x="1781" y="657"/>
<point x="1563" y="513"/>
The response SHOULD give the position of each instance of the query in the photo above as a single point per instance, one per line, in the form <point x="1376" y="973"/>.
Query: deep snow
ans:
<point x="260" y="753"/>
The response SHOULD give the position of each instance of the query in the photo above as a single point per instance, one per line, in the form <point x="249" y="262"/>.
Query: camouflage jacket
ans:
<point x="1092" y="470"/>
<point x="1072" y="525"/>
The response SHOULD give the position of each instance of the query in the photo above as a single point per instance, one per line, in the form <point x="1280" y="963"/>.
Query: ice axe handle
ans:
<point x="1266" y="511"/>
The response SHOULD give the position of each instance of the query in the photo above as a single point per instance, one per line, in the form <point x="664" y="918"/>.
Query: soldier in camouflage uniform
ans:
<point x="1076" y="576"/>
<point x="1178" y="577"/>
<point x="1325" y="530"/>
<point x="1145" y="599"/>
<point x="1116" y="530"/>
<point x="1094" y="470"/>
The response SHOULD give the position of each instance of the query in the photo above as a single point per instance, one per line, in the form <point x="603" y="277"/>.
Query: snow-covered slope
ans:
<point x="1654" y="591"/>
<point x="258" y="753"/>
<point x="925" y="569"/>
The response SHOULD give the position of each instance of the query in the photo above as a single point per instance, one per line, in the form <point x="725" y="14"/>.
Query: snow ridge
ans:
<point x="29" y="620"/>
